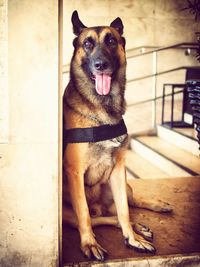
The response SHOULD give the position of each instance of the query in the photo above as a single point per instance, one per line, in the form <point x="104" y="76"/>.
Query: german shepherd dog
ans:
<point x="94" y="172"/>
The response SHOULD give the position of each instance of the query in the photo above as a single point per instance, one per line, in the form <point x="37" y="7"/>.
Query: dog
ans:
<point x="94" y="166"/>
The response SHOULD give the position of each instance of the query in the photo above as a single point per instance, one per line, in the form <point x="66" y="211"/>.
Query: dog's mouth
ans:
<point x="102" y="83"/>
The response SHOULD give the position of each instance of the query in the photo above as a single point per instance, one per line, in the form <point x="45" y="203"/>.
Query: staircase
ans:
<point x="167" y="154"/>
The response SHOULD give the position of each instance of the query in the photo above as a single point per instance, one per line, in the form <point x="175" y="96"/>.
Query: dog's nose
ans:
<point x="101" y="64"/>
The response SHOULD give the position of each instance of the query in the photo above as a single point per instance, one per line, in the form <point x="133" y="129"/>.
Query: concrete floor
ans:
<point x="176" y="233"/>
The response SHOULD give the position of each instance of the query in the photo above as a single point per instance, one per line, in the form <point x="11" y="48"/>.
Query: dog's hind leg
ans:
<point x="69" y="217"/>
<point x="150" y="204"/>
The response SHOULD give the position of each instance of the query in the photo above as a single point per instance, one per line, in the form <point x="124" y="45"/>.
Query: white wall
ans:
<point x="29" y="161"/>
<point x="3" y="72"/>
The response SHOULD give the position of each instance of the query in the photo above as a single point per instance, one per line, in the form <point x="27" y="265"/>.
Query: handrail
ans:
<point x="142" y="46"/>
<point x="179" y="45"/>
<point x="152" y="99"/>
<point x="160" y="73"/>
<point x="140" y="49"/>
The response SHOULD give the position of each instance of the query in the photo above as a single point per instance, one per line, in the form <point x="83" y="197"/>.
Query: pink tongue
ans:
<point x="102" y="83"/>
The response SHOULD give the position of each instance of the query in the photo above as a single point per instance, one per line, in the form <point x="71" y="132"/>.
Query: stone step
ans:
<point x="174" y="161"/>
<point x="184" y="138"/>
<point x="138" y="167"/>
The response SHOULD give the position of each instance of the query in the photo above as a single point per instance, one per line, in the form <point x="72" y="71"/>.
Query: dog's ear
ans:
<point x="118" y="25"/>
<point x="78" y="26"/>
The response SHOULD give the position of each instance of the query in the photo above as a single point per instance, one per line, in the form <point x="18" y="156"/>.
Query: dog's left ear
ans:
<point x="118" y="25"/>
<point x="78" y="26"/>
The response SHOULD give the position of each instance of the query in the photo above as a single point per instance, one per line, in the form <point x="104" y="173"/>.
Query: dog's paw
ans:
<point x="94" y="251"/>
<point x="143" y="231"/>
<point x="161" y="206"/>
<point x="139" y="244"/>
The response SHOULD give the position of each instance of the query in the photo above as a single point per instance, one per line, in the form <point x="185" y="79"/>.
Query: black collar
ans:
<point x="94" y="134"/>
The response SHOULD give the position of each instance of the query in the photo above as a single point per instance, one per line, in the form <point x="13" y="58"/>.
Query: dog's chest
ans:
<point x="101" y="160"/>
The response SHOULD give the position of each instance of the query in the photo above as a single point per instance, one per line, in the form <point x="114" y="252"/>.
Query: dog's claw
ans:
<point x="161" y="206"/>
<point x="141" y="246"/>
<point x="94" y="251"/>
<point x="144" y="231"/>
<point x="87" y="253"/>
<point x="97" y="253"/>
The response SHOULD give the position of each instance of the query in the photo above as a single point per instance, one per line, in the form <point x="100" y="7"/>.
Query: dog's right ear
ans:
<point x="118" y="25"/>
<point x="78" y="26"/>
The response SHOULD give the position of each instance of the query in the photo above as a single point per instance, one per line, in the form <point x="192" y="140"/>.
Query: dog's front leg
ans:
<point x="118" y="187"/>
<point x="74" y="167"/>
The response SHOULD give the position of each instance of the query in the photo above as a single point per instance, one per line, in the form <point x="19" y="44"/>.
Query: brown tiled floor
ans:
<point x="176" y="233"/>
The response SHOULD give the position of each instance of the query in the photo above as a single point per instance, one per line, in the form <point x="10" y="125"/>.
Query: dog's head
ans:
<point x="99" y="53"/>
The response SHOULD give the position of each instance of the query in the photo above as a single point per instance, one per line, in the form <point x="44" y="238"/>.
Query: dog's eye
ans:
<point x="88" y="45"/>
<point x="111" y="41"/>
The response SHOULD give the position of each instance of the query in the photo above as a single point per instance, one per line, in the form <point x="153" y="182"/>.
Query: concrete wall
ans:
<point x="29" y="160"/>
<point x="3" y="72"/>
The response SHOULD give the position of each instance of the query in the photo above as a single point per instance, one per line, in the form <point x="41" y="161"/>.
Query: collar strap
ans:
<point x="94" y="134"/>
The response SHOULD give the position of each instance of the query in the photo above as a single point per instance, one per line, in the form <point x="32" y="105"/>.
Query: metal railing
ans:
<point x="155" y="73"/>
